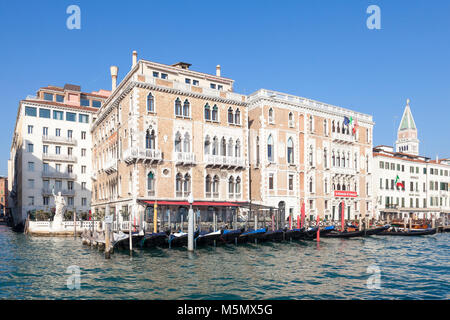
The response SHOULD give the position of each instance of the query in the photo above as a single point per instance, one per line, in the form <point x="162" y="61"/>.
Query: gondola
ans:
<point x="230" y="236"/>
<point x="275" y="235"/>
<point x="326" y="230"/>
<point x="344" y="234"/>
<point x="179" y="239"/>
<point x="208" y="238"/>
<point x="251" y="235"/>
<point x="377" y="230"/>
<point x="311" y="233"/>
<point x="295" y="234"/>
<point x="154" y="239"/>
<point x="411" y="232"/>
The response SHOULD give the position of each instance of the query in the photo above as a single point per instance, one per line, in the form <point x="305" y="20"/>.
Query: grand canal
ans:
<point x="410" y="268"/>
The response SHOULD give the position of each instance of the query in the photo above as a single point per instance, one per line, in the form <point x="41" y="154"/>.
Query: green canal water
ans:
<point x="409" y="268"/>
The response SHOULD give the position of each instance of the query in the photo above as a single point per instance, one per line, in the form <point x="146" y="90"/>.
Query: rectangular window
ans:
<point x="58" y="150"/>
<point x="424" y="170"/>
<point x="45" y="149"/>
<point x="187" y="81"/>
<point x="45" y="201"/>
<point x="164" y="76"/>
<point x="195" y="82"/>
<point x="31" y="183"/>
<point x="30" y="147"/>
<point x="70" y="168"/>
<point x="212" y="85"/>
<point x="219" y="87"/>
<point x="83" y="135"/>
<point x="85" y="102"/>
<point x="58" y="167"/>
<point x="398" y="167"/>
<point x="96" y="104"/>
<point x="31" y="201"/>
<point x="30" y="111"/>
<point x="83" y="118"/>
<point x="70" y="201"/>
<point x="48" y="96"/>
<point x="155" y="74"/>
<point x="83" y="202"/>
<point x="83" y="169"/>
<point x="69" y="134"/>
<point x="83" y="186"/>
<point x="30" y="129"/>
<point x="70" y="116"/>
<point x="59" y="98"/>
<point x="381" y="164"/>
<point x="58" y="115"/>
<point x="403" y="168"/>
<point x="83" y="152"/>
<point x="45" y="131"/>
<point x="46" y="167"/>
<point x="31" y="166"/>
<point x="44" y="113"/>
<point x="58" y="132"/>
<point x="270" y="181"/>
<point x="291" y="182"/>
<point x="69" y="185"/>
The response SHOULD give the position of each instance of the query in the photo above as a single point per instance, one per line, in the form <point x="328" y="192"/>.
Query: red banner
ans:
<point x="345" y="194"/>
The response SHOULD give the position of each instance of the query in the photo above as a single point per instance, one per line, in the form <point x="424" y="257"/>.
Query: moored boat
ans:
<point x="273" y="235"/>
<point x="377" y="230"/>
<point x="344" y="234"/>
<point x="251" y="235"/>
<point x="208" y="238"/>
<point x="406" y="232"/>
<point x="179" y="239"/>
<point x="154" y="239"/>
<point x="230" y="236"/>
<point x="295" y="234"/>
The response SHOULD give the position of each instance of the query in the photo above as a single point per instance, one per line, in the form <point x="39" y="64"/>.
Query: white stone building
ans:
<point x="406" y="184"/>
<point x="51" y="150"/>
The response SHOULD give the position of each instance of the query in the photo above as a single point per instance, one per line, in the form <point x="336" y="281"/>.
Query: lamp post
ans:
<point x="190" y="224"/>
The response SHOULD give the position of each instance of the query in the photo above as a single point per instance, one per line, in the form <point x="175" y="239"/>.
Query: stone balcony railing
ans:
<point x="59" y="157"/>
<point x="135" y="154"/>
<point x="343" y="171"/>
<point x="64" y="192"/>
<point x="110" y="166"/>
<point x="342" y="137"/>
<point x="224" y="161"/>
<point x="59" y="175"/>
<point x="59" y="139"/>
<point x="185" y="158"/>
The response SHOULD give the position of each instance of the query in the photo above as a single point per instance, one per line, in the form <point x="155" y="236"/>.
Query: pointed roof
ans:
<point x="407" y="122"/>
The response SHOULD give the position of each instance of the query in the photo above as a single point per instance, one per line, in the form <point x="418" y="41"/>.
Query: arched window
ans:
<point x="215" y="146"/>
<point x="338" y="159"/>
<point x="325" y="185"/>
<point x="231" y="187"/>
<point x="237" y="149"/>
<point x="207" y="145"/>
<point x="271" y="118"/>
<point x="333" y="159"/>
<point x="178" y="142"/>
<point x="187" y="143"/>
<point x="150" y="103"/>
<point x="187" y="184"/>
<point x="238" y="187"/>
<point x="178" y="185"/>
<point x="230" y="148"/>
<point x="207" y="112"/>
<point x="325" y="157"/>
<point x="311" y="123"/>
<point x="223" y="147"/>
<point x="150" y="139"/>
<point x="290" y="151"/>
<point x="343" y="187"/>
<point x="208" y="186"/>
<point x="291" y="119"/>
<point x="215" y="112"/>
<point x="343" y="159"/>
<point x="237" y="117"/>
<point x="257" y="150"/>
<point x="178" y="110"/>
<point x="333" y="128"/>
<point x="356" y="161"/>
<point x="230" y="115"/>
<point x="151" y="182"/>
<point x="311" y="184"/>
<point x="186" y="106"/>
<point x="216" y="186"/>
<point x="270" y="148"/>
<point x="338" y="129"/>
<point x="325" y="127"/>
<point x="338" y="187"/>
<point x="311" y="155"/>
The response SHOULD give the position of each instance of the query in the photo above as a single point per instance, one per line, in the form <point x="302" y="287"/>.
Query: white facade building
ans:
<point x="406" y="184"/>
<point x="51" y="150"/>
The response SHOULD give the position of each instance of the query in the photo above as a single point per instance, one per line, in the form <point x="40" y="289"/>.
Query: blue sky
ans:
<point x="316" y="49"/>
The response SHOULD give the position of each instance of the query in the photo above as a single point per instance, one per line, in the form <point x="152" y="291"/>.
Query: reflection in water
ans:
<point x="411" y="268"/>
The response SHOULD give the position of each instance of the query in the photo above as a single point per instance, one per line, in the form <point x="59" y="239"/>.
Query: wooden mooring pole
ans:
<point x="107" y="241"/>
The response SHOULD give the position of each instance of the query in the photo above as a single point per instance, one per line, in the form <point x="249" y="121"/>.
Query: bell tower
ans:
<point x="407" y="141"/>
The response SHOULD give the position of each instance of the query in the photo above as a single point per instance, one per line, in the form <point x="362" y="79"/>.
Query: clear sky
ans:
<point x="321" y="50"/>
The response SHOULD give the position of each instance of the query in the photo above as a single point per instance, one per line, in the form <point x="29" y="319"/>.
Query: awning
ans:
<point x="195" y="203"/>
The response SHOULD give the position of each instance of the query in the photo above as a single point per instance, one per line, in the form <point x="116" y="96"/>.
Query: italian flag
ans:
<point x="398" y="183"/>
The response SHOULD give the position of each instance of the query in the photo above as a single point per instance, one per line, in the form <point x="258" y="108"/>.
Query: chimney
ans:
<point x="134" y="59"/>
<point x="114" y="71"/>
<point x="218" y="70"/>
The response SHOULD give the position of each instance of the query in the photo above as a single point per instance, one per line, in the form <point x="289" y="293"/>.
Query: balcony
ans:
<point x="344" y="171"/>
<point x="59" y="140"/>
<point x="48" y="192"/>
<point x="145" y="155"/>
<point x="343" y="138"/>
<point x="224" y="161"/>
<point x="59" y="175"/>
<point x="185" y="158"/>
<point x="58" y="157"/>
<point x="110" y="166"/>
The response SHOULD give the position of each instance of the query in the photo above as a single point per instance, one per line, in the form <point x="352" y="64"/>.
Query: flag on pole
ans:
<point x="346" y="120"/>
<point x="398" y="183"/>
<point x="355" y="126"/>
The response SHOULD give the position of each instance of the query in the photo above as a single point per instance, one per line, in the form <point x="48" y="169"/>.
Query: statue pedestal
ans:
<point x="57" y="223"/>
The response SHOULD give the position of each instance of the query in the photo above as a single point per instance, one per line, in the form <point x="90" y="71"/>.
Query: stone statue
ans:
<point x="60" y="204"/>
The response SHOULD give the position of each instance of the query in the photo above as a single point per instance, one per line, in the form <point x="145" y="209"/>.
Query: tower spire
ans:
<point x="407" y="141"/>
